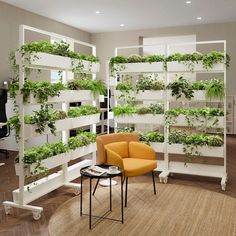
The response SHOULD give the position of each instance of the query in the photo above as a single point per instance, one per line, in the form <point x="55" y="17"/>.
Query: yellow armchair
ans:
<point x="124" y="150"/>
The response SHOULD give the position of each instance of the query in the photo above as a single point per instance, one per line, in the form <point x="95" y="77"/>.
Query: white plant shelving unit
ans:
<point x="167" y="167"/>
<point x="22" y="196"/>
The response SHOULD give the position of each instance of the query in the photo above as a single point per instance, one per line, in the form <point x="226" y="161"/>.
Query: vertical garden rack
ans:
<point x="168" y="167"/>
<point x="23" y="196"/>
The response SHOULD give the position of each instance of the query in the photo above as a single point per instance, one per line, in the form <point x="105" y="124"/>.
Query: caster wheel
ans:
<point x="7" y="210"/>
<point x="160" y="180"/>
<point x="223" y="187"/>
<point x="36" y="215"/>
<point x="165" y="180"/>
<point x="77" y="192"/>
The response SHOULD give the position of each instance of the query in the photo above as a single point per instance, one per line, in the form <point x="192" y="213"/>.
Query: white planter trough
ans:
<point x="65" y="96"/>
<point x="198" y="95"/>
<point x="146" y="95"/>
<point x="181" y="121"/>
<point x="204" y="150"/>
<point x="82" y="151"/>
<point x="140" y="119"/>
<point x="175" y="66"/>
<point x="85" y="120"/>
<point x="48" y="163"/>
<point x="30" y="130"/>
<point x="143" y="67"/>
<point x="49" y="61"/>
<point x="158" y="147"/>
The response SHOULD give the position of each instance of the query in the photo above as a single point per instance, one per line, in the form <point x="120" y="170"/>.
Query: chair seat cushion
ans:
<point x="135" y="167"/>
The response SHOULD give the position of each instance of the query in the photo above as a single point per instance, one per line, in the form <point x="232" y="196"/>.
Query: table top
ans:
<point x="106" y="175"/>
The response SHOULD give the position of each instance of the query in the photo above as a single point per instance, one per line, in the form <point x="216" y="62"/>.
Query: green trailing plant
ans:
<point x="41" y="90"/>
<point x="148" y="83"/>
<point x="97" y="87"/>
<point x="180" y="87"/>
<point x="151" y="136"/>
<point x="121" y="60"/>
<point x="82" y="111"/>
<point x="117" y="63"/>
<point x="135" y="59"/>
<point x="154" y="58"/>
<point x="14" y="124"/>
<point x="199" y="85"/>
<point x="126" y="85"/>
<point x="124" y="110"/>
<point x="215" y="89"/>
<point x="191" y="143"/>
<point x="193" y="115"/>
<point x="81" y="139"/>
<point x="42" y="119"/>
<point x="125" y="130"/>
<point x="208" y="60"/>
<point x="29" y="52"/>
<point x="129" y="110"/>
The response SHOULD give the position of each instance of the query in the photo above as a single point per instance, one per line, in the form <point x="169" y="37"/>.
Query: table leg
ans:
<point x="81" y="193"/>
<point x="122" y="203"/>
<point x="90" y="203"/>
<point x="110" y="196"/>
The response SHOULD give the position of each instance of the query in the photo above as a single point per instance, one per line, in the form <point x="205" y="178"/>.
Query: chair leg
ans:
<point x="153" y="181"/>
<point x="95" y="187"/>
<point x="126" y="190"/>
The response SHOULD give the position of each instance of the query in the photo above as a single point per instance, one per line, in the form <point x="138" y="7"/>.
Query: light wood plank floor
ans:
<point x="21" y="223"/>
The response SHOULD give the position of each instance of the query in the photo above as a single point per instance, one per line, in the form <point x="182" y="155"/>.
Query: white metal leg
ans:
<point x="36" y="211"/>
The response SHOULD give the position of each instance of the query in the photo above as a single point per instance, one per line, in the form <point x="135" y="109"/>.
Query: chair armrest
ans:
<point x="141" y="151"/>
<point x="114" y="158"/>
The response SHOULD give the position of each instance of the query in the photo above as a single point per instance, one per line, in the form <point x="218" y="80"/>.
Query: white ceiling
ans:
<point x="135" y="14"/>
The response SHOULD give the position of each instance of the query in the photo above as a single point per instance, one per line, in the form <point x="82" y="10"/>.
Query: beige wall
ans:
<point x="106" y="42"/>
<point x="10" y="19"/>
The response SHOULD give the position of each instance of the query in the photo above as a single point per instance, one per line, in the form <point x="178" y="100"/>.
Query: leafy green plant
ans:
<point x="199" y="85"/>
<point x="82" y="111"/>
<point x="135" y="59"/>
<point x="154" y="58"/>
<point x="97" y="87"/>
<point x="124" y="110"/>
<point x="215" y="89"/>
<point x="208" y="60"/>
<point x="14" y="124"/>
<point x="125" y="130"/>
<point x="191" y="143"/>
<point x="42" y="119"/>
<point x="41" y="90"/>
<point x="193" y="114"/>
<point x="81" y="139"/>
<point x="180" y="87"/>
<point x="151" y="136"/>
<point x="126" y="85"/>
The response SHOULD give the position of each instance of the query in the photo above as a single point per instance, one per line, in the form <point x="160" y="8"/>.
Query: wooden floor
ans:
<point x="20" y="222"/>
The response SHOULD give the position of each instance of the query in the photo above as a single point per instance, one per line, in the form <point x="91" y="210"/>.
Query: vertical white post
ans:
<point x="225" y="128"/>
<point x="167" y="107"/>
<point x="93" y="126"/>
<point x="21" y="117"/>
<point x="115" y="101"/>
<point x="107" y="70"/>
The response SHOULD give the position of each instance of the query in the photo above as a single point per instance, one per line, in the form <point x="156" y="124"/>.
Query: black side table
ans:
<point x="103" y="176"/>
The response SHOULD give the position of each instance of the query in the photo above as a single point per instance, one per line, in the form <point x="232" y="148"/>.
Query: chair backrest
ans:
<point x="4" y="131"/>
<point x="112" y="138"/>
